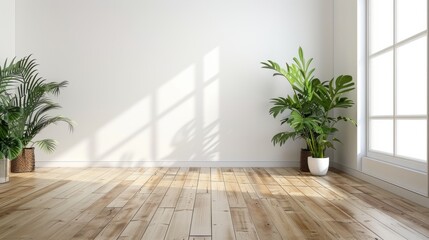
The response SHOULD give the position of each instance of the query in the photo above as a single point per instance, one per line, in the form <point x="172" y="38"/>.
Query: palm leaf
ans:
<point x="33" y="94"/>
<point x="47" y="145"/>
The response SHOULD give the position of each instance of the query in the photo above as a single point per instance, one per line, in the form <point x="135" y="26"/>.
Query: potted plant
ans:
<point x="320" y="127"/>
<point x="32" y="94"/>
<point x="311" y="109"/>
<point x="303" y="84"/>
<point x="10" y="145"/>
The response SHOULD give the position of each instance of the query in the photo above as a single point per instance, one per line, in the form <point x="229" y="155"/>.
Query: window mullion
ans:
<point x="394" y="79"/>
<point x="427" y="96"/>
<point x="367" y="80"/>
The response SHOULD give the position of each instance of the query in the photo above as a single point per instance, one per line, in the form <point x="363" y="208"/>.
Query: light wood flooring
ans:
<point x="202" y="203"/>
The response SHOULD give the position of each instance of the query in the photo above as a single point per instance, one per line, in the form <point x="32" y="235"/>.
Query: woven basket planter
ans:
<point x="25" y="162"/>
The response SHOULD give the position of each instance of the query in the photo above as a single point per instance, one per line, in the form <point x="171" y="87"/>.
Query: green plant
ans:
<point x="300" y="103"/>
<point x="329" y="97"/>
<point x="32" y="94"/>
<point x="311" y="106"/>
<point x="10" y="145"/>
<point x="8" y="73"/>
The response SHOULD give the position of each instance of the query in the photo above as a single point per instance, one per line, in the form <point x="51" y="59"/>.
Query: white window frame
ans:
<point x="394" y="158"/>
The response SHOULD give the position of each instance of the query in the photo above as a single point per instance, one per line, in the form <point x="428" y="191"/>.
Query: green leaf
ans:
<point x="47" y="145"/>
<point x="32" y="95"/>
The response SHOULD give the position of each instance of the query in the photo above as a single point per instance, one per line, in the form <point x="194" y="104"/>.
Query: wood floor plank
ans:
<point x="235" y="197"/>
<point x="186" y="199"/>
<point x="253" y="176"/>
<point x="285" y="225"/>
<point x="241" y="176"/>
<point x="91" y="229"/>
<point x="173" y="193"/>
<point x="407" y="214"/>
<point x="265" y="177"/>
<point x="228" y="177"/>
<point x="32" y="182"/>
<point x="116" y="185"/>
<point x="294" y="210"/>
<point x="137" y="225"/>
<point x="38" y="190"/>
<point x="118" y="223"/>
<point x="57" y="224"/>
<point x="202" y="204"/>
<point x="317" y="213"/>
<point x="358" y="212"/>
<point x="201" y="220"/>
<point x="378" y="210"/>
<point x="341" y="219"/>
<point x="158" y="227"/>
<point x="6" y="212"/>
<point x="222" y="228"/>
<point x="134" y="187"/>
<point x="371" y="223"/>
<point x="279" y="178"/>
<point x="264" y="226"/>
<point x="248" y="191"/>
<point x="179" y="225"/>
<point x="262" y="191"/>
<point x="154" y="180"/>
<point x="216" y="175"/>
<point x="37" y="216"/>
<point x="243" y="225"/>
<point x="204" y="174"/>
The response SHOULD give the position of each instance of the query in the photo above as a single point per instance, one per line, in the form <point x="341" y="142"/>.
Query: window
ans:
<point x="397" y="82"/>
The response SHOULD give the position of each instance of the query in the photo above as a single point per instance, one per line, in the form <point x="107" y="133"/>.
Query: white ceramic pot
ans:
<point x="318" y="166"/>
<point x="4" y="170"/>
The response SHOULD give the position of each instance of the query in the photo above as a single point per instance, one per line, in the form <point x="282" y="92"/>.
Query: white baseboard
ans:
<point x="410" y="195"/>
<point x="167" y="164"/>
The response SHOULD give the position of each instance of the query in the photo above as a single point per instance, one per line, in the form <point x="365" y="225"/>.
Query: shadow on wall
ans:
<point x="179" y="121"/>
<point x="187" y="145"/>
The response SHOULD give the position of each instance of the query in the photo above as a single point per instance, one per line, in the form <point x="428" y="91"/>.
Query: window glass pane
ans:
<point x="411" y="18"/>
<point x="412" y="78"/>
<point x="381" y="85"/>
<point x="381" y="135"/>
<point x="411" y="139"/>
<point x="397" y="81"/>
<point x="380" y="24"/>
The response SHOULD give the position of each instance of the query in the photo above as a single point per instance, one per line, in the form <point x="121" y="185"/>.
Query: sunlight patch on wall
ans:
<point x="176" y="90"/>
<point x="175" y="111"/>
<point x="211" y="105"/>
<point x="178" y="121"/>
<point x="120" y="138"/>
<point x="211" y="121"/>
<point x="175" y="133"/>
<point x="211" y="65"/>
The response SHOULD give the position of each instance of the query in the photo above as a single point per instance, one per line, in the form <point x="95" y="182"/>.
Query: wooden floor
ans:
<point x="202" y="203"/>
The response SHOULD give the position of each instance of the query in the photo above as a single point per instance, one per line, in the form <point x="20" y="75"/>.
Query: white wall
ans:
<point x="7" y="39"/>
<point x="170" y="82"/>
<point x="346" y="63"/>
